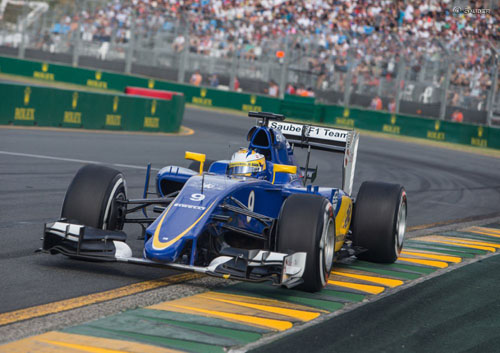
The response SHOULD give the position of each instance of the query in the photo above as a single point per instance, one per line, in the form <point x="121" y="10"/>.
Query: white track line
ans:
<point x="74" y="160"/>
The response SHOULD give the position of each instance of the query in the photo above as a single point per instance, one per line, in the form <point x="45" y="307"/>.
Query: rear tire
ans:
<point x="91" y="198"/>
<point x="306" y="224"/>
<point x="379" y="221"/>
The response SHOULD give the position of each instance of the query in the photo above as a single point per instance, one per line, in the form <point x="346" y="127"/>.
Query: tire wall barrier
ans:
<point x="292" y="106"/>
<point x="42" y="106"/>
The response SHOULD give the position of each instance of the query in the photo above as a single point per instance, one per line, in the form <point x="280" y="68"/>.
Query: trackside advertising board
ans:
<point x="41" y="106"/>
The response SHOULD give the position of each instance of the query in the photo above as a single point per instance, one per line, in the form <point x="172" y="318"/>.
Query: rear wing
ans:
<point x="319" y="138"/>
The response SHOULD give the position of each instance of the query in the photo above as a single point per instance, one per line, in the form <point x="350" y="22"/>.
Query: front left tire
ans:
<point x="91" y="198"/>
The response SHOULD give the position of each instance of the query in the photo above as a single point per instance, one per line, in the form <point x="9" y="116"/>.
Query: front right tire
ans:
<point x="306" y="224"/>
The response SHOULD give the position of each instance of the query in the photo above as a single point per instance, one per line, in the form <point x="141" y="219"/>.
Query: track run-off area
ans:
<point x="72" y="305"/>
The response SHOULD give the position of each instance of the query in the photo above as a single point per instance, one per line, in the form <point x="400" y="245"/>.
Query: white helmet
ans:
<point x="246" y="163"/>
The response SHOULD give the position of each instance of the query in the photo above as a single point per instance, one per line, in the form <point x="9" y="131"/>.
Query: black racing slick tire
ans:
<point x="91" y="198"/>
<point x="195" y="165"/>
<point x="379" y="221"/>
<point x="306" y="224"/>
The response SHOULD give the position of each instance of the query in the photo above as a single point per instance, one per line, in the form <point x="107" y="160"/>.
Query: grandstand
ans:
<point x="422" y="57"/>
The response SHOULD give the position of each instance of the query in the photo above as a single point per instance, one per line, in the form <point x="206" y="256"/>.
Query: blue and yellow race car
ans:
<point x="256" y="217"/>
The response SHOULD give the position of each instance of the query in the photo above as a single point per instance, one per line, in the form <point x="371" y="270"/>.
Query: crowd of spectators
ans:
<point x="329" y="37"/>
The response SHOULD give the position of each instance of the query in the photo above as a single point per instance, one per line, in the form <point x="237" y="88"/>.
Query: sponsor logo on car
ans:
<point x="310" y="131"/>
<point x="193" y="207"/>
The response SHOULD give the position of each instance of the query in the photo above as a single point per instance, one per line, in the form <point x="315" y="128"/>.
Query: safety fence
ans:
<point x="429" y="76"/>
<point x="302" y="108"/>
<point x="41" y="106"/>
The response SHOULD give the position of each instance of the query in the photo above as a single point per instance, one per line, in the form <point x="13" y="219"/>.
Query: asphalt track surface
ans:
<point x="442" y="185"/>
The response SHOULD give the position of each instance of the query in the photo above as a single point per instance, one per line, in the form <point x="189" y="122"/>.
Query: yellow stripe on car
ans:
<point x="342" y="222"/>
<point x="159" y="245"/>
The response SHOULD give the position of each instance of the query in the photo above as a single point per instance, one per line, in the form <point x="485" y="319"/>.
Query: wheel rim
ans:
<point x="118" y="192"/>
<point x="401" y="224"/>
<point x="327" y="246"/>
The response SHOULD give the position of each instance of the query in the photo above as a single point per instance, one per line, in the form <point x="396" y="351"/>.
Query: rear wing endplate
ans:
<point x="326" y="139"/>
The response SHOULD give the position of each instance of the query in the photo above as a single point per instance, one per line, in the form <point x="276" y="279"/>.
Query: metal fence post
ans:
<point x="22" y="45"/>
<point x="348" y="82"/>
<point x="131" y="45"/>
<point x="442" y="108"/>
<point x="156" y="47"/>
<point x="232" y="74"/>
<point x="77" y="38"/>
<point x="490" y="104"/>
<point x="493" y="92"/>
<point x="399" y="77"/>
<point x="184" y="58"/>
<point x="284" y="68"/>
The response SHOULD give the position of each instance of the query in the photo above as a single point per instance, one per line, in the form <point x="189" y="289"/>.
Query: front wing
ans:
<point x="89" y="243"/>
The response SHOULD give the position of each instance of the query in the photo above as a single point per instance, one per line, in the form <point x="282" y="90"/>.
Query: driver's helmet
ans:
<point x="247" y="163"/>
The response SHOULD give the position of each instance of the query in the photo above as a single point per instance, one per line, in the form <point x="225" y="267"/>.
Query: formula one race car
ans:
<point x="253" y="218"/>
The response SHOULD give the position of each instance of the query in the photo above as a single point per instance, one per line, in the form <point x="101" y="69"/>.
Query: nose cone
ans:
<point x="178" y="224"/>
<point x="167" y="254"/>
<point x="185" y="218"/>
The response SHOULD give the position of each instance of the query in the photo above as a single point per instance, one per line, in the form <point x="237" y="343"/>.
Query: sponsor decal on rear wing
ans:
<point x="318" y="137"/>
<point x="327" y="139"/>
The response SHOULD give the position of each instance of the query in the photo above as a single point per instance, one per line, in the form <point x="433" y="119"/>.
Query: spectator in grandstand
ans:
<point x="370" y="37"/>
<point x="214" y="80"/>
<point x="301" y="91"/>
<point x="236" y="86"/>
<point x="455" y="100"/>
<point x="178" y="44"/>
<point x="196" y="78"/>
<point x="392" y="106"/>
<point x="46" y="42"/>
<point x="457" y="116"/>
<point x="304" y="92"/>
<point x="290" y="89"/>
<point x="273" y="89"/>
<point x="103" y="50"/>
<point x="376" y="103"/>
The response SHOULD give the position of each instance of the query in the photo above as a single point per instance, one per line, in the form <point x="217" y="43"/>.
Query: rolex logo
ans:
<point x="393" y="119"/>
<point x="151" y="84"/>
<point x="480" y="131"/>
<point x="253" y="99"/>
<point x="203" y="92"/>
<point x="45" y="67"/>
<point x="98" y="75"/>
<point x="346" y="113"/>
